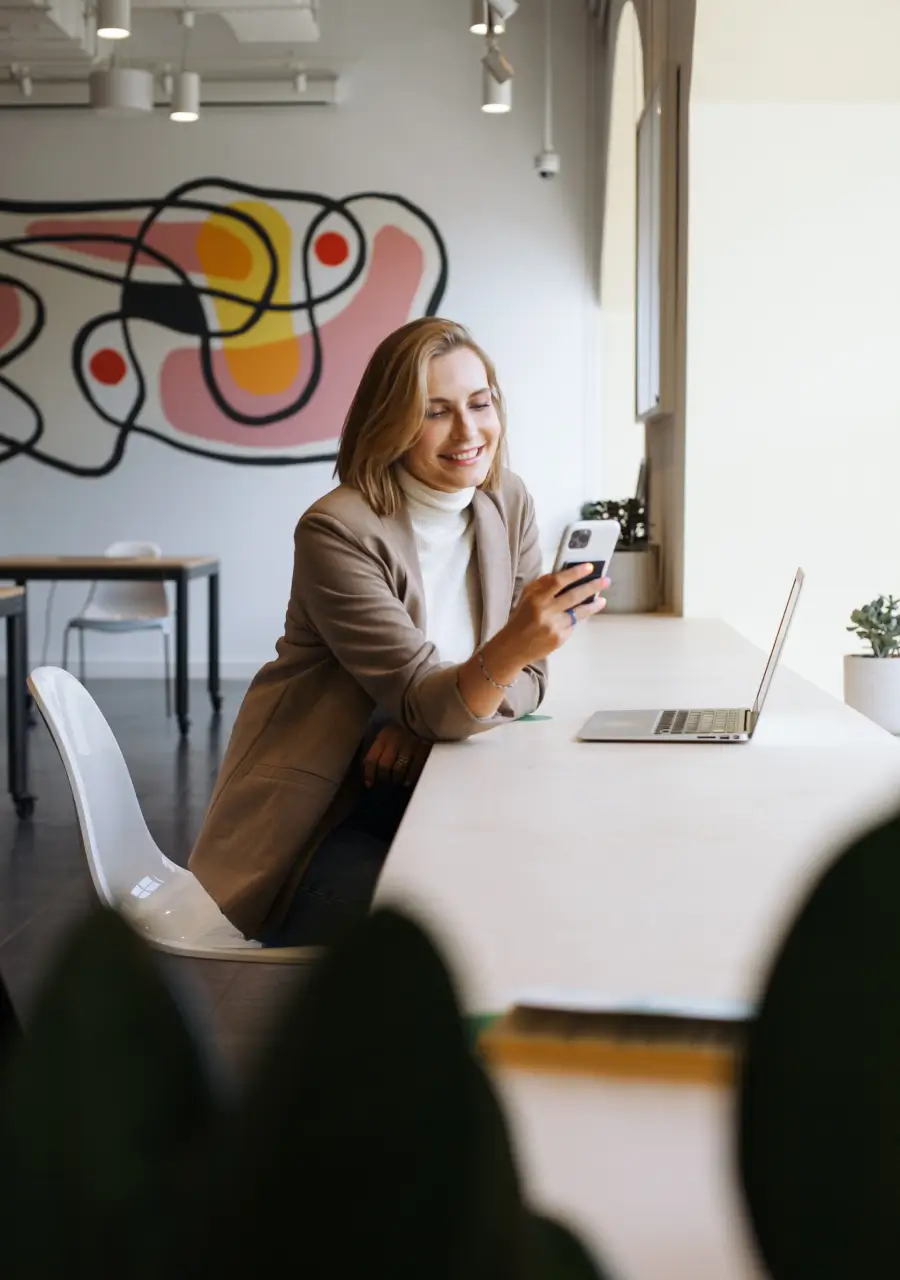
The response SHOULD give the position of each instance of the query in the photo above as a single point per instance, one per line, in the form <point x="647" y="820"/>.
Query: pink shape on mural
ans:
<point x="10" y="314"/>
<point x="176" y="241"/>
<point x="382" y="304"/>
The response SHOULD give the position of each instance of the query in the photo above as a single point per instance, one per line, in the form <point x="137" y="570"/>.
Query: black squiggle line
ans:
<point x="179" y="198"/>
<point x="12" y="353"/>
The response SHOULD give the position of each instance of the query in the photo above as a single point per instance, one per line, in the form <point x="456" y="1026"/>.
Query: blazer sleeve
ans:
<point x="528" y="692"/>
<point x="344" y="593"/>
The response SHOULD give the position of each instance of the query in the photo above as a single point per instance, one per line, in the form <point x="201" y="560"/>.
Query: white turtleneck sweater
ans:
<point x="445" y="539"/>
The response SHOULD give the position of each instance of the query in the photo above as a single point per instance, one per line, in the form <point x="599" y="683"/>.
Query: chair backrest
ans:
<point x="123" y="600"/>
<point x="120" y="850"/>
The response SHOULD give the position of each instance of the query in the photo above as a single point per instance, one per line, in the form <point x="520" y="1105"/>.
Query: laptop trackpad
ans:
<point x="619" y="726"/>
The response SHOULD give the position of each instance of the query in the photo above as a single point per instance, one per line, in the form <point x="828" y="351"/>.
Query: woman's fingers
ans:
<point x="379" y="761"/>
<point x="590" y="608"/>
<point x="578" y="595"/>
<point x="394" y="757"/>
<point x="553" y="584"/>
<point x="567" y="577"/>
<point x="581" y="611"/>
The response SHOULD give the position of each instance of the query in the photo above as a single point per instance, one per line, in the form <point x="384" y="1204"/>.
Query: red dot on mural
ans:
<point x="332" y="249"/>
<point x="108" y="367"/>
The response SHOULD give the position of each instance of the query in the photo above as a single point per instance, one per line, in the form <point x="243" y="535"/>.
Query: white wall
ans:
<point x="411" y="125"/>
<point x="793" y="407"/>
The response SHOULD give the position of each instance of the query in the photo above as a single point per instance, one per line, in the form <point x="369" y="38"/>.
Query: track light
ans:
<point x="494" y="62"/>
<point x="496" y="94"/>
<point x="114" y="19"/>
<point x="121" y="91"/>
<point x="483" y="21"/>
<point x="504" y="9"/>
<point x="186" y="98"/>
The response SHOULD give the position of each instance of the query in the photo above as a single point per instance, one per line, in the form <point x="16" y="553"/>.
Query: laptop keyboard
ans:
<point x="674" y="723"/>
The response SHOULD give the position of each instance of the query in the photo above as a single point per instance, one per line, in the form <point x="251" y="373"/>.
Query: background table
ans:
<point x="178" y="569"/>
<point x="633" y="870"/>
<point x="12" y="608"/>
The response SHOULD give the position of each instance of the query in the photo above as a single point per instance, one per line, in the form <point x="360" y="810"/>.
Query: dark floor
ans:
<point x="44" y="881"/>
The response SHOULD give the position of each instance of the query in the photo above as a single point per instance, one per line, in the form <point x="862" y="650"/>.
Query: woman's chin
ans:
<point x="470" y="477"/>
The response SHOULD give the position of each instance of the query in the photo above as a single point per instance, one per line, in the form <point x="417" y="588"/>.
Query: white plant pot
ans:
<point x="635" y="581"/>
<point x="872" y="686"/>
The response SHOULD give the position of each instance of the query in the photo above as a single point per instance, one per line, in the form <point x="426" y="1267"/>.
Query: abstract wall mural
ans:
<point x="225" y="320"/>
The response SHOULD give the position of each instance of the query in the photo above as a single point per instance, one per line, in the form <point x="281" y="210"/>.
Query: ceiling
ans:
<point x="49" y="45"/>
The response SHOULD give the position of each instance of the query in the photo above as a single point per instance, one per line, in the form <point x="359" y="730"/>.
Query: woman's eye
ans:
<point x="436" y="413"/>
<point x="487" y="405"/>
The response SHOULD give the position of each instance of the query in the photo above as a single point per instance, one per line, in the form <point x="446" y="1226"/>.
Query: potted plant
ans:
<point x="872" y="680"/>
<point x="635" y="565"/>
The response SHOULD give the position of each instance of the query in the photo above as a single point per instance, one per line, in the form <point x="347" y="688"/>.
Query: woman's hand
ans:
<point x="545" y="616"/>
<point x="396" y="756"/>
<point x="542" y="621"/>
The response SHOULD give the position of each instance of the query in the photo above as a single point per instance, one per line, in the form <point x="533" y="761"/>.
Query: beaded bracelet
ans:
<point x="490" y="679"/>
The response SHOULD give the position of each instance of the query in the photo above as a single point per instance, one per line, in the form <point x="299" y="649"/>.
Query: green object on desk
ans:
<point x="531" y="716"/>
<point x="476" y="1023"/>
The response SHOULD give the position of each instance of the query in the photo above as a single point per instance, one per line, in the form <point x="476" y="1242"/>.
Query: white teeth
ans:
<point x="464" y="457"/>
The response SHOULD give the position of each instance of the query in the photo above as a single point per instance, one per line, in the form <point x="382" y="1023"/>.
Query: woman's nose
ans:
<point x="463" y="425"/>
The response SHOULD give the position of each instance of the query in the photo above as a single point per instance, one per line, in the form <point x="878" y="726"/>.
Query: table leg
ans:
<point x="181" y="653"/>
<point x="215" y="696"/>
<point x="17" y="713"/>
<point x="30" y="713"/>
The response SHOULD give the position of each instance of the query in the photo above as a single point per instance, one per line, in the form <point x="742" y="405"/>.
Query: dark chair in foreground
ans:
<point x="819" y="1104"/>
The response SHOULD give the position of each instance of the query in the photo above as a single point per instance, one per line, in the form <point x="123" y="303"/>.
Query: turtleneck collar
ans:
<point x="434" y="498"/>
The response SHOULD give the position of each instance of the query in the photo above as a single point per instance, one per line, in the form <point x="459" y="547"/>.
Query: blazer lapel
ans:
<point x="402" y="541"/>
<point x="495" y="567"/>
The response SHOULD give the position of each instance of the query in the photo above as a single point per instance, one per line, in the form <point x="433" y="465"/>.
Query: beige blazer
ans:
<point x="353" y="640"/>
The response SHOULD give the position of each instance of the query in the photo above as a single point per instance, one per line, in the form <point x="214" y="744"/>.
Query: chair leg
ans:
<point x="81" y="666"/>
<point x="65" y="652"/>
<point x="165" y="636"/>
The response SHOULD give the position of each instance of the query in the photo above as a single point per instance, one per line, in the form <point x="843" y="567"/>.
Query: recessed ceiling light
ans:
<point x="479" y="23"/>
<point x="186" y="98"/>
<point x="114" y="19"/>
<point x="496" y="97"/>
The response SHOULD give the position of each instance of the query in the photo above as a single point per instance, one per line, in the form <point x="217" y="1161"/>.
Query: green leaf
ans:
<point x="819" y="1109"/>
<point x="357" y="1132"/>
<point x="105" y="1109"/>
<point x="560" y="1255"/>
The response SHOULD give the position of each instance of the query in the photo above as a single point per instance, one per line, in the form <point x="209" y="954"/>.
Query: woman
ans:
<point x="417" y="614"/>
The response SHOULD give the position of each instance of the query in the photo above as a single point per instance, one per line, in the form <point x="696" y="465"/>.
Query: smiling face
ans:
<point x="462" y="429"/>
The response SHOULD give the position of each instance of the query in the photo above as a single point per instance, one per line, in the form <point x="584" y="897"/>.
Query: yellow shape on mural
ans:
<point x="265" y="359"/>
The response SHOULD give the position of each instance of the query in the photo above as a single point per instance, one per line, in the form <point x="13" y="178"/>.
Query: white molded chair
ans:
<point x="163" y="902"/>
<point x="124" y="607"/>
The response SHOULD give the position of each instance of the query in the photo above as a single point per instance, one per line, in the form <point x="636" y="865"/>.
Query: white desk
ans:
<point x="634" y="870"/>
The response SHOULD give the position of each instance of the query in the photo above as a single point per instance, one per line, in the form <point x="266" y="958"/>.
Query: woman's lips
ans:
<point x="464" y="457"/>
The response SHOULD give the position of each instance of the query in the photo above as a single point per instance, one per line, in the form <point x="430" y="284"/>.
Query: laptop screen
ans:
<point x="779" y="643"/>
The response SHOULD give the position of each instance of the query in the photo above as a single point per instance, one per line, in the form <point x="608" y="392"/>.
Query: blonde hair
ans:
<point x="388" y="412"/>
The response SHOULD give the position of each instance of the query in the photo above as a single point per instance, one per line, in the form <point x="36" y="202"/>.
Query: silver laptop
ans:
<point x="722" y="724"/>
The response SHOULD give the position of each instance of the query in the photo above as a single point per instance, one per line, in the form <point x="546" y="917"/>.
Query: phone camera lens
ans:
<point x="579" y="539"/>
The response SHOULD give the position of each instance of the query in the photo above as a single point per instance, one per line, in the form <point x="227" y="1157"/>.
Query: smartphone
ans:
<point x="588" y="542"/>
